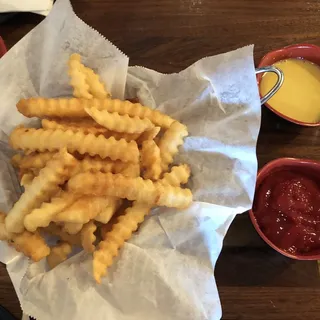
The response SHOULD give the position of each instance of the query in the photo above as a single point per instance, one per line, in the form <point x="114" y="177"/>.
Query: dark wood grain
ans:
<point x="254" y="281"/>
<point x="275" y="303"/>
<point x="8" y="297"/>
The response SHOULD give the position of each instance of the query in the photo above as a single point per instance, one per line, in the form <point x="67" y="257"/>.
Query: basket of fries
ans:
<point x="91" y="154"/>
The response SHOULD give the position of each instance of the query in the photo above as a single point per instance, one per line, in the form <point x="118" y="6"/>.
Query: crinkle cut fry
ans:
<point x="177" y="176"/>
<point x="58" y="254"/>
<point x="112" y="206"/>
<point x="96" y="87"/>
<point x="72" y="228"/>
<point x="169" y="143"/>
<point x="75" y="108"/>
<point x="104" y="165"/>
<point x="44" y="215"/>
<point x="87" y="126"/>
<point x="116" y="185"/>
<point x="36" y="160"/>
<point x="134" y="109"/>
<point x="148" y="135"/>
<point x="54" y="140"/>
<point x="87" y="236"/>
<point x="151" y="160"/>
<point x="115" y="239"/>
<point x="96" y="163"/>
<point x="120" y="123"/>
<point x="31" y="245"/>
<point x="131" y="171"/>
<point x="27" y="179"/>
<point x="55" y="230"/>
<point x="87" y="82"/>
<point x="56" y="172"/>
<point x="83" y="209"/>
<point x="54" y="123"/>
<point x="16" y="160"/>
<point x="78" y="77"/>
<point x="60" y="108"/>
<point x="21" y="173"/>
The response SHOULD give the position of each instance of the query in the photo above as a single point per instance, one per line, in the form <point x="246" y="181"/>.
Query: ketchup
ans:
<point x="287" y="210"/>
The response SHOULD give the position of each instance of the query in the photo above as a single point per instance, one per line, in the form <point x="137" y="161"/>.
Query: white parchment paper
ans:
<point x="42" y="7"/>
<point x="37" y="64"/>
<point x="166" y="271"/>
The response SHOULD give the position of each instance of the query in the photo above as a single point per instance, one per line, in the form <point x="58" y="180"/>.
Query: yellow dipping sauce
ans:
<point x="299" y="96"/>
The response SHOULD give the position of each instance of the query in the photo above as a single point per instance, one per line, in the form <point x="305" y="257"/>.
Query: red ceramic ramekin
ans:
<point x="308" y="52"/>
<point x="3" y="48"/>
<point x="308" y="166"/>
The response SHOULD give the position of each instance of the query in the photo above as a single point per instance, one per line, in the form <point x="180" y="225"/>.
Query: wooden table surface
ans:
<point x="254" y="281"/>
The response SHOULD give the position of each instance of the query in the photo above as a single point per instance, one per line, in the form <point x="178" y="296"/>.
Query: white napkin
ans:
<point x="166" y="271"/>
<point x="42" y="7"/>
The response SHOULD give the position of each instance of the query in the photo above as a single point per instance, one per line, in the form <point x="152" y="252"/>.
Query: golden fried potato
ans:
<point x="169" y="143"/>
<point x="123" y="135"/>
<point x="87" y="126"/>
<point x="27" y="179"/>
<point x="72" y="228"/>
<point x="116" y="185"/>
<point x="177" y="176"/>
<point x="87" y="236"/>
<point x="41" y="217"/>
<point x="105" y="165"/>
<point x="83" y="210"/>
<point x="56" y="172"/>
<point x="36" y="160"/>
<point x="96" y="87"/>
<point x="115" y="239"/>
<point x="85" y="81"/>
<point x="61" y="108"/>
<point x="21" y="173"/>
<point x="132" y="110"/>
<point x="75" y="108"/>
<point x="97" y="164"/>
<point x="16" y="160"/>
<point x="78" y="77"/>
<point x="55" y="230"/>
<point x="58" y="254"/>
<point x="148" y="135"/>
<point x="31" y="245"/>
<point x="105" y="215"/>
<point x="131" y="171"/>
<point x="54" y="140"/>
<point x="150" y="160"/>
<point x="120" y="123"/>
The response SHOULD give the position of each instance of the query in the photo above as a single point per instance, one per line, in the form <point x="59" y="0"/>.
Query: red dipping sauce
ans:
<point x="287" y="210"/>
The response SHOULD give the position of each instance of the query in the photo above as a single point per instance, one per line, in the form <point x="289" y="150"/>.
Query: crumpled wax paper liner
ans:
<point x="167" y="270"/>
<point x="162" y="273"/>
<point x="37" y="64"/>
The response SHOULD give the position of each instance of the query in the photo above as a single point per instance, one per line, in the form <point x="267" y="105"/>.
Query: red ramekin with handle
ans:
<point x="304" y="51"/>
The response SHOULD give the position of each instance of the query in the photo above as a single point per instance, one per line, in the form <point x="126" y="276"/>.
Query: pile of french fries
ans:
<point x="92" y="173"/>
